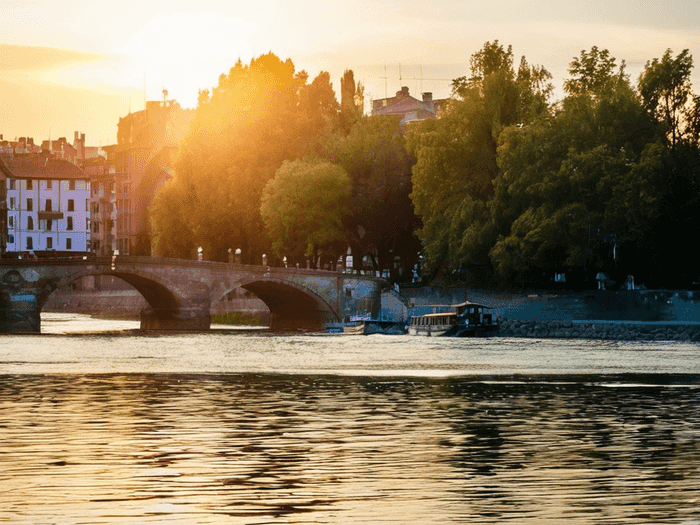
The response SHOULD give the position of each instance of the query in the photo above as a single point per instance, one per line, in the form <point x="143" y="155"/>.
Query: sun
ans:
<point x="186" y="52"/>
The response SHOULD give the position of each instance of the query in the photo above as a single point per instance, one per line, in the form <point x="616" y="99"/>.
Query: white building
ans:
<point x="47" y="205"/>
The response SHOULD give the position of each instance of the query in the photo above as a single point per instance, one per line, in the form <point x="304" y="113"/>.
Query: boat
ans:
<point x="366" y="326"/>
<point x="461" y="320"/>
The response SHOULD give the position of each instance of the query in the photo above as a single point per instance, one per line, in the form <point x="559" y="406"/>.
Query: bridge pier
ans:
<point x="193" y="318"/>
<point x="19" y="313"/>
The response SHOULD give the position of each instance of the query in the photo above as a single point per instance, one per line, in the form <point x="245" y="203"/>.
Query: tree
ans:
<point x="258" y="116"/>
<point x="381" y="222"/>
<point x="456" y="154"/>
<point x="173" y="237"/>
<point x="352" y="101"/>
<point x="666" y="90"/>
<point x="304" y="207"/>
<point x="579" y="190"/>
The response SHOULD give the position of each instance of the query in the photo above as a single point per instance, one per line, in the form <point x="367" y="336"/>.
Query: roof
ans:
<point x="40" y="167"/>
<point x="467" y="303"/>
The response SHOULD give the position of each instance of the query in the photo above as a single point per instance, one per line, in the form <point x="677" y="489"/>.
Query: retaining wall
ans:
<point x="612" y="330"/>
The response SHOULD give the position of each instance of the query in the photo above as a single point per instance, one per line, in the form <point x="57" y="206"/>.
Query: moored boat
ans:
<point x="366" y="327"/>
<point x="462" y="320"/>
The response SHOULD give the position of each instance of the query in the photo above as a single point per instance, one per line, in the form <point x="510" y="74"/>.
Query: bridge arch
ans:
<point x="292" y="306"/>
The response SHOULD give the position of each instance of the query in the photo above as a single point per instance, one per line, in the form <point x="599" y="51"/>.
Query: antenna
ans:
<point x="386" y="93"/>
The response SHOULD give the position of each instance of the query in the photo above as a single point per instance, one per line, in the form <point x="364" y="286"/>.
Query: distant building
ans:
<point x="20" y="146"/>
<point x="103" y="207"/>
<point x="46" y="205"/>
<point x="147" y="145"/>
<point x="409" y="107"/>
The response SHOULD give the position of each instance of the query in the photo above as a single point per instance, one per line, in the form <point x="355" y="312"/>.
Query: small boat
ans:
<point x="462" y="320"/>
<point x="366" y="326"/>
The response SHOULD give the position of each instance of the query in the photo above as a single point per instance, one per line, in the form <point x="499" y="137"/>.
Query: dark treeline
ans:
<point x="512" y="187"/>
<point x="507" y="187"/>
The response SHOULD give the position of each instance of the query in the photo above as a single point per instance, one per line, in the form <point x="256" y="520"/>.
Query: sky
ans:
<point x="80" y="65"/>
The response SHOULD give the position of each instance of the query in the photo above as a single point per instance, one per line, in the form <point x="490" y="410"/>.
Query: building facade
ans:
<point x="147" y="145"/>
<point x="47" y="206"/>
<point x="103" y="206"/>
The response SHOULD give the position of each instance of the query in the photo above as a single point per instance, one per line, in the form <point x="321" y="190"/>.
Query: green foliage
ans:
<point x="575" y="187"/>
<point x="304" y="206"/>
<point x="173" y="237"/>
<point x="665" y="89"/>
<point x="352" y="101"/>
<point x="456" y="155"/>
<point x="381" y="221"/>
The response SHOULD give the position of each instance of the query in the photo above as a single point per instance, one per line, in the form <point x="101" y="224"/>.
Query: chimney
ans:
<point x="427" y="97"/>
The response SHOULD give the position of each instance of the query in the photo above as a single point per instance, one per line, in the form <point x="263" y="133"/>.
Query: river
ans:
<point x="103" y="424"/>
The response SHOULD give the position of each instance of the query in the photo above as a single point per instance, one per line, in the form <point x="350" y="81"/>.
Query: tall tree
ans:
<point x="352" y="101"/>
<point x="456" y="155"/>
<point x="666" y="91"/>
<point x="381" y="222"/>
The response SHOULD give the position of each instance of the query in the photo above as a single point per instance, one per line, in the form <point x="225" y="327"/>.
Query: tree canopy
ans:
<point x="304" y="207"/>
<point x="258" y="116"/>
<point x="508" y="182"/>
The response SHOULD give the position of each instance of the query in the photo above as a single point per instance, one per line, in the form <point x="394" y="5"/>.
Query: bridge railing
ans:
<point x="79" y="260"/>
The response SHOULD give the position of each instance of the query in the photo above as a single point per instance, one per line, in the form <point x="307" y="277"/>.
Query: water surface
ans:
<point x="100" y="423"/>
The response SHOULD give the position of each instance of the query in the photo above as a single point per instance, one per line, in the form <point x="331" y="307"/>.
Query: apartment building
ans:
<point x="47" y="205"/>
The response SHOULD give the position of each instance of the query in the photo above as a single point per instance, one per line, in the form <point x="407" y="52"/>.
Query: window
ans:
<point x="12" y="203"/>
<point x="30" y="243"/>
<point x="30" y="184"/>
<point x="68" y="244"/>
<point x="69" y="223"/>
<point x="48" y="205"/>
<point x="49" y="225"/>
<point x="30" y="205"/>
<point x="10" y="221"/>
<point x="10" y="238"/>
<point x="71" y="184"/>
<point x="71" y="205"/>
<point x="49" y="243"/>
<point x="30" y="223"/>
<point x="12" y="184"/>
<point x="49" y="185"/>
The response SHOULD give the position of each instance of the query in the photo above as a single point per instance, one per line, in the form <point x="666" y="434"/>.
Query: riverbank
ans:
<point x="601" y="329"/>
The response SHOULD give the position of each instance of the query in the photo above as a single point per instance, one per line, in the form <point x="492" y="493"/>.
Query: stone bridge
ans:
<point x="180" y="292"/>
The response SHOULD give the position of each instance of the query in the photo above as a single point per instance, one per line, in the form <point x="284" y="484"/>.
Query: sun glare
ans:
<point x="186" y="52"/>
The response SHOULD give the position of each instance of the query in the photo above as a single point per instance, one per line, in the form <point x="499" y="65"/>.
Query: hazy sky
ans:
<point x="79" y="65"/>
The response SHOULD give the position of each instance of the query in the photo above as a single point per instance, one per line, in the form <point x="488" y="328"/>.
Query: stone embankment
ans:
<point x="611" y="330"/>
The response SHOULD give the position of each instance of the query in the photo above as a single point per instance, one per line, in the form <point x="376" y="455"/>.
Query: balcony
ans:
<point x="50" y="215"/>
